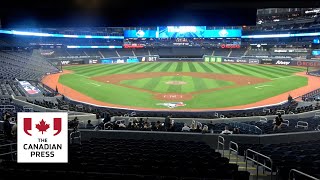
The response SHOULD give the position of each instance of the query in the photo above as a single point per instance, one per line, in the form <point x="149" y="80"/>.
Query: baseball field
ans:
<point x="182" y="85"/>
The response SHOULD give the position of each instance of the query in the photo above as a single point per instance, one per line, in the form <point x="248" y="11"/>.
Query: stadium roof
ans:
<point x="60" y="13"/>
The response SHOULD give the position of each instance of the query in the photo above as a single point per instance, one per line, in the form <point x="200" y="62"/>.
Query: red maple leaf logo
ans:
<point x="42" y="126"/>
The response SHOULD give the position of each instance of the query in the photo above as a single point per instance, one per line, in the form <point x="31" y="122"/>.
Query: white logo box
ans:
<point x="46" y="146"/>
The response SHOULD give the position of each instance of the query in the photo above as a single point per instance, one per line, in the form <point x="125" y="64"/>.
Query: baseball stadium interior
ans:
<point x="183" y="138"/>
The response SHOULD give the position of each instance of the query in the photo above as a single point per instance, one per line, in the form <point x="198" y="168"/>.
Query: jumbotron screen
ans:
<point x="183" y="36"/>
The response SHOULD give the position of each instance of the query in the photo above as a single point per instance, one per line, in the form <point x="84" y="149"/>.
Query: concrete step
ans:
<point x="251" y="168"/>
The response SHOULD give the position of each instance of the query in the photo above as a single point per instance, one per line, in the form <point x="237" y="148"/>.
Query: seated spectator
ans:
<point x="73" y="123"/>
<point x="277" y="122"/>
<point x="89" y="125"/>
<point x="167" y="122"/>
<point x="185" y="128"/>
<point x="205" y="129"/>
<point x="157" y="127"/>
<point x="193" y="125"/>
<point x="172" y="126"/>
<point x="108" y="125"/>
<point x="98" y="127"/>
<point x="236" y="131"/>
<point x="226" y="130"/>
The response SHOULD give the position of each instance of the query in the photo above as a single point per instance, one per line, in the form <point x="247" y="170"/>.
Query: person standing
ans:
<point x="277" y="122"/>
<point x="167" y="122"/>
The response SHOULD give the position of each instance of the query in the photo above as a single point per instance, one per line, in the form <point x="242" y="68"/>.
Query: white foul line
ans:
<point x="259" y="87"/>
<point x="94" y="84"/>
<point x="282" y="77"/>
<point x="81" y="75"/>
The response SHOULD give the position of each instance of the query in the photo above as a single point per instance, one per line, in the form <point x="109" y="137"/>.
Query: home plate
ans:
<point x="107" y="81"/>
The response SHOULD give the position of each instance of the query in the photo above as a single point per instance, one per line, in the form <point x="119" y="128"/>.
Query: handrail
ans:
<point x="281" y="111"/>
<point x="257" y="130"/>
<point x="303" y="124"/>
<point x="246" y="127"/>
<point x="234" y="150"/>
<point x="286" y="122"/>
<point x="222" y="143"/>
<point x="266" y="110"/>
<point x="11" y="150"/>
<point x="292" y="171"/>
<point x="256" y="154"/>
<point x="263" y="119"/>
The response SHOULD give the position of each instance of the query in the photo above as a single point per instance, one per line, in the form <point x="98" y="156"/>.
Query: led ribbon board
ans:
<point x="23" y="33"/>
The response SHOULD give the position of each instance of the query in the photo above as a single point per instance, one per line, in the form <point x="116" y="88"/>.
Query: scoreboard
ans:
<point x="190" y="36"/>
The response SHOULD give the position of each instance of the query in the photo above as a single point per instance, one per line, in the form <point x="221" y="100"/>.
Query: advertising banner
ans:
<point x="149" y="58"/>
<point x="282" y="62"/>
<point x="307" y="63"/>
<point x="30" y="89"/>
<point x="217" y="59"/>
<point x="234" y="60"/>
<point x="140" y="33"/>
<point x="254" y="61"/>
<point x="93" y="61"/>
<point x="116" y="60"/>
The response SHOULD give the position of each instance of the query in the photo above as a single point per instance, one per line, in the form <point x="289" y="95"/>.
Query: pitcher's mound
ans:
<point x="176" y="82"/>
<point x="173" y="96"/>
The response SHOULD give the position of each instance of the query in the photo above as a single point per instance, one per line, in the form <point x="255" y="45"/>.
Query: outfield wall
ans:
<point x="284" y="61"/>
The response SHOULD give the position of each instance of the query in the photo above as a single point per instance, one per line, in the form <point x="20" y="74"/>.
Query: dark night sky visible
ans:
<point x="84" y="13"/>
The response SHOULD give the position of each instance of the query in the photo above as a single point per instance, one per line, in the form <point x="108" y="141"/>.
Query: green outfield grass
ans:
<point x="282" y="78"/>
<point x="159" y="84"/>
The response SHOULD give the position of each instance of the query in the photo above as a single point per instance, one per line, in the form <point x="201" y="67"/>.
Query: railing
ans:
<point x="75" y="135"/>
<point x="281" y="112"/>
<point x="12" y="152"/>
<point x="263" y="119"/>
<point x="79" y="106"/>
<point x="286" y="122"/>
<point x="236" y="150"/>
<point x="266" y="110"/>
<point x="221" y="142"/>
<point x="293" y="171"/>
<point x="302" y="124"/>
<point x="246" y="127"/>
<point x="255" y="159"/>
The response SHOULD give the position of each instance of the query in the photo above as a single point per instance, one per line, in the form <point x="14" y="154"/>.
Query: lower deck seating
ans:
<point x="132" y="159"/>
<point x="304" y="156"/>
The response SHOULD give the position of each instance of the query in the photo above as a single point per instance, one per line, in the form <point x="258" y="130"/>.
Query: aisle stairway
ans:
<point x="252" y="168"/>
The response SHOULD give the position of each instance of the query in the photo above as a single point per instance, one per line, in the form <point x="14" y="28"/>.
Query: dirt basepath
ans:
<point x="53" y="81"/>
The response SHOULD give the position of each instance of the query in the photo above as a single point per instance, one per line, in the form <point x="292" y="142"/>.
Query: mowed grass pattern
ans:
<point x="160" y="84"/>
<point x="283" y="80"/>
